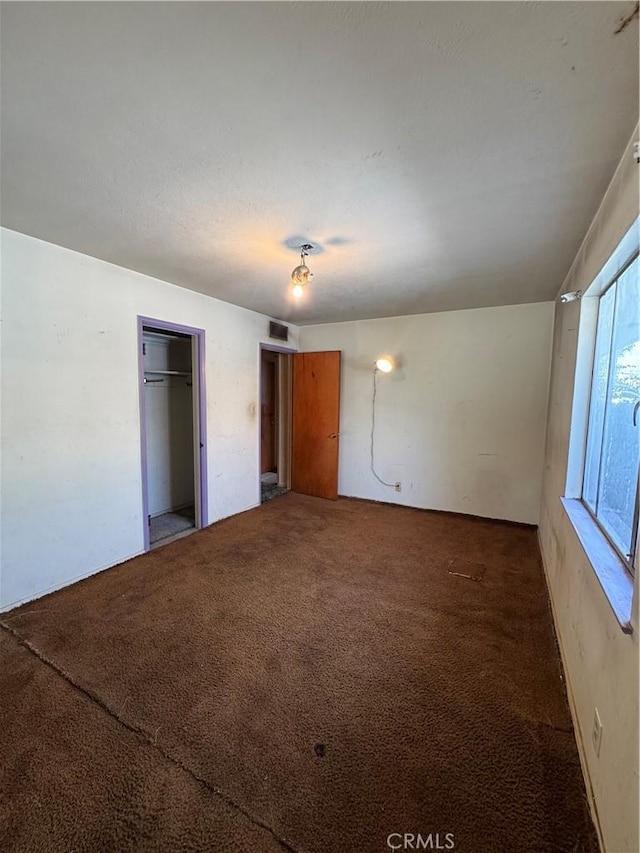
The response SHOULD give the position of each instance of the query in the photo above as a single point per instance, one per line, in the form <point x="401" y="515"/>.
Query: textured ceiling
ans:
<point x="443" y="155"/>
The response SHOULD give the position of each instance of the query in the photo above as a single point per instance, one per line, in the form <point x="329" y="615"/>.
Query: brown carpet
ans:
<point x="307" y="676"/>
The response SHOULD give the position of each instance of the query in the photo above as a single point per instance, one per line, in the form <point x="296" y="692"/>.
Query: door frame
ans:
<point x="198" y="378"/>
<point x="286" y="351"/>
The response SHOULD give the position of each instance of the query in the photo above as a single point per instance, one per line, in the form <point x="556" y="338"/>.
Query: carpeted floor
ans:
<point x="309" y="676"/>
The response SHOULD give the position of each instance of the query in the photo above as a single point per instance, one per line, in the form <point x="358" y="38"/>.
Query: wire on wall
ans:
<point x="373" y="429"/>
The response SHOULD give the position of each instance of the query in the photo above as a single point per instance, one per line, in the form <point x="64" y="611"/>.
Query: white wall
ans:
<point x="71" y="472"/>
<point x="461" y="422"/>
<point x="601" y="662"/>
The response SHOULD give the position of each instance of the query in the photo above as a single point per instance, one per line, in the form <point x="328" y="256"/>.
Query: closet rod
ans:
<point x="153" y="381"/>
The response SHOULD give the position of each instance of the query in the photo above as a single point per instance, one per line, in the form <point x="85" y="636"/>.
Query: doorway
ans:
<point x="299" y="422"/>
<point x="173" y="429"/>
<point x="275" y="421"/>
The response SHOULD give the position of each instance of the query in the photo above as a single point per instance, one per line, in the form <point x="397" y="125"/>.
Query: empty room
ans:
<point x="320" y="427"/>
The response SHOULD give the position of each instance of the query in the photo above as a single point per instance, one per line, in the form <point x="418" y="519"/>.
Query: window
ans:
<point x="612" y="458"/>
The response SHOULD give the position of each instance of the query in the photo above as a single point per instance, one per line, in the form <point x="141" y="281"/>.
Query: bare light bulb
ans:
<point x="301" y="274"/>
<point x="385" y="364"/>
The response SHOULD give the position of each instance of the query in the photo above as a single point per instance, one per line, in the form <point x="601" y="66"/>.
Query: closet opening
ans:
<point x="275" y="421"/>
<point x="173" y="430"/>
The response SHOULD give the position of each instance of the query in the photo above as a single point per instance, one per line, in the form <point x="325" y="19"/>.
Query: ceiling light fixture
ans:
<point x="301" y="274"/>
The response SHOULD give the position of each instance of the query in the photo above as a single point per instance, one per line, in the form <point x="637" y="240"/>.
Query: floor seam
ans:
<point x="145" y="736"/>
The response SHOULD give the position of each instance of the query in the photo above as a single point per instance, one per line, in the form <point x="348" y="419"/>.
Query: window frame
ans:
<point x="627" y="560"/>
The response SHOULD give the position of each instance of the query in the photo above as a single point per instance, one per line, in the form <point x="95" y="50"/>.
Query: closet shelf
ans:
<point x="168" y="372"/>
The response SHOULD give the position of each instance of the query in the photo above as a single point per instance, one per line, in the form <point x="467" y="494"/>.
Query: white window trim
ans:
<point x="613" y="575"/>
<point x="615" y="580"/>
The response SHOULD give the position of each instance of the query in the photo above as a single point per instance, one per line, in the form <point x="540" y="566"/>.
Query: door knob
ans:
<point x="334" y="435"/>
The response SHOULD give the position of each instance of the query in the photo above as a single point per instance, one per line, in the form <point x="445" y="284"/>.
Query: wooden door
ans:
<point x="268" y="405"/>
<point x="316" y="423"/>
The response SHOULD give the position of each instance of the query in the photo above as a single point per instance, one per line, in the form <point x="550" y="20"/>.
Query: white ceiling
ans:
<point x="443" y="155"/>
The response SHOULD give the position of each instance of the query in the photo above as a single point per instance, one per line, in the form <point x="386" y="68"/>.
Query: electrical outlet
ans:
<point x="596" y="732"/>
<point x="398" y="487"/>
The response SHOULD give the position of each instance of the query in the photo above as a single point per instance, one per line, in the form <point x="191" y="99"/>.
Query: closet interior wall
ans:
<point x="169" y="422"/>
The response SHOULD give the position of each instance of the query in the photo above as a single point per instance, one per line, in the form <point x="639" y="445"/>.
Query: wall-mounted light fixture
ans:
<point x="301" y="274"/>
<point x="385" y="363"/>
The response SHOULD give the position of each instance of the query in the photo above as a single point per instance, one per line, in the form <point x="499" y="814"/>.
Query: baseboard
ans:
<point x="172" y="509"/>
<point x="580" y="742"/>
<point x="469" y="516"/>
<point x="5" y="608"/>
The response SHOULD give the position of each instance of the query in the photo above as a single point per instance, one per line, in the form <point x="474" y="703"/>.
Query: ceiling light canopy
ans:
<point x="301" y="274"/>
<point x="385" y="363"/>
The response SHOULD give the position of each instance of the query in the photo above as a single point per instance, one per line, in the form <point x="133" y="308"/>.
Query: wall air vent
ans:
<point x="278" y="331"/>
